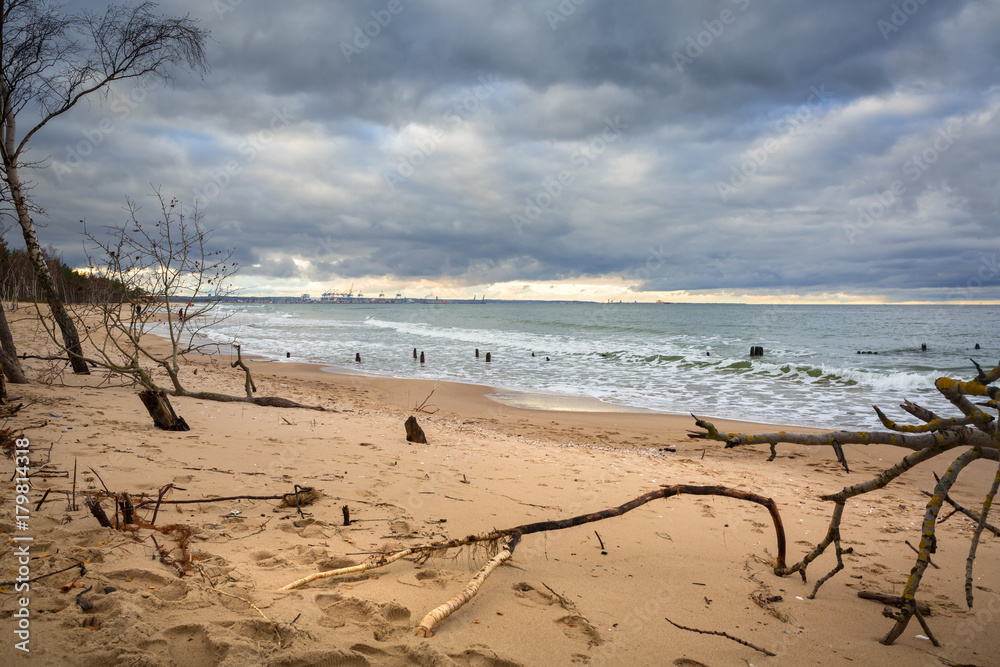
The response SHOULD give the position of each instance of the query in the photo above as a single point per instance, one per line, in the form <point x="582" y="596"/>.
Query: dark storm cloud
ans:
<point x="729" y="145"/>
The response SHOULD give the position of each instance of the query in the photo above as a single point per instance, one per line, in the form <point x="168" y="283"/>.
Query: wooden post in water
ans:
<point x="357" y="357"/>
<point x="414" y="353"/>
<point x="421" y="357"/>
<point x="488" y="359"/>
<point x="477" y="353"/>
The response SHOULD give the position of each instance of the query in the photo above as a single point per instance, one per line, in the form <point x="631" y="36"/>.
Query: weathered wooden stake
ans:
<point x="95" y="508"/>
<point x="421" y="357"/>
<point x="357" y="357"/>
<point x="347" y="515"/>
<point x="477" y="353"/>
<point x="413" y="431"/>
<point x="488" y="358"/>
<point x="414" y="353"/>
<point x="159" y="408"/>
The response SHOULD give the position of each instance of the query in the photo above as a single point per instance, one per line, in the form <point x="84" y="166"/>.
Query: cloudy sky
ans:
<point x="736" y="150"/>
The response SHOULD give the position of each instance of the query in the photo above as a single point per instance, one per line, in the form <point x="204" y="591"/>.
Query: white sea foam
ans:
<point x="677" y="359"/>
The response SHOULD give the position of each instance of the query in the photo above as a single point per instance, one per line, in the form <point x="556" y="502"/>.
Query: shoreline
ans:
<point x="591" y="595"/>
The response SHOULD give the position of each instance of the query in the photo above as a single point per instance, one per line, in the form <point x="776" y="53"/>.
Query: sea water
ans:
<point x="674" y="358"/>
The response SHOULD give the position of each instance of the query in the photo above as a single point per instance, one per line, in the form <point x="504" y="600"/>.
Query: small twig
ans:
<point x="44" y="496"/>
<point x="159" y="500"/>
<point x="423" y="407"/>
<point x="721" y="634"/>
<point x="298" y="502"/>
<point x="563" y="602"/>
<point x="600" y="541"/>
<point x="73" y="503"/>
<point x="108" y="491"/>
<point x="83" y="571"/>
<point x="917" y="551"/>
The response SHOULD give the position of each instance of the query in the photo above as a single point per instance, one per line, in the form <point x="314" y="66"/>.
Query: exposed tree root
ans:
<point x="435" y="616"/>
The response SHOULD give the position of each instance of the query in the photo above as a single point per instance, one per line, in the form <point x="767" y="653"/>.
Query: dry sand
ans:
<point x="698" y="561"/>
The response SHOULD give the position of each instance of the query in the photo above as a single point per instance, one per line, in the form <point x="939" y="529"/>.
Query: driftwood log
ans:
<point x="159" y="408"/>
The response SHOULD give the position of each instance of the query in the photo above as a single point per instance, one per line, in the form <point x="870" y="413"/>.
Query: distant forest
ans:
<point x="18" y="281"/>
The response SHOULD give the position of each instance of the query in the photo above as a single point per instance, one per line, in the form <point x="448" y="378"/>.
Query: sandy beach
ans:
<point x="596" y="594"/>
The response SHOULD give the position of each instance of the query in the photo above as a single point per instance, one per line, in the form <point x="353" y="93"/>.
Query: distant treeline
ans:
<point x="18" y="281"/>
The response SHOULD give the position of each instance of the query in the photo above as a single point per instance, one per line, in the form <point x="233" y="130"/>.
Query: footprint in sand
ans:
<point x="529" y="596"/>
<point x="477" y="658"/>
<point x="384" y="620"/>
<point x="190" y="645"/>
<point x="141" y="581"/>
<point x="577" y="627"/>
<point x="334" y="658"/>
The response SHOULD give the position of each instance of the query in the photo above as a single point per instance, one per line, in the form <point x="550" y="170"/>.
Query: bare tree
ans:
<point x="51" y="60"/>
<point x="149" y="278"/>
<point x="975" y="435"/>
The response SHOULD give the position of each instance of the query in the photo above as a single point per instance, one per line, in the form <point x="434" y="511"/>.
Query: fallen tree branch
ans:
<point x="894" y="600"/>
<point x="263" y="401"/>
<point x="160" y="501"/>
<point x="516" y="533"/>
<point x="975" y="432"/>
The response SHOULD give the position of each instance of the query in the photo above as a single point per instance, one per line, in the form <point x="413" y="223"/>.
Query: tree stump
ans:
<point x="159" y="408"/>
<point x="413" y="431"/>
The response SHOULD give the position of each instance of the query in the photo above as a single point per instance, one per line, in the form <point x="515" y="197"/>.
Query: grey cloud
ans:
<point x="313" y="186"/>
